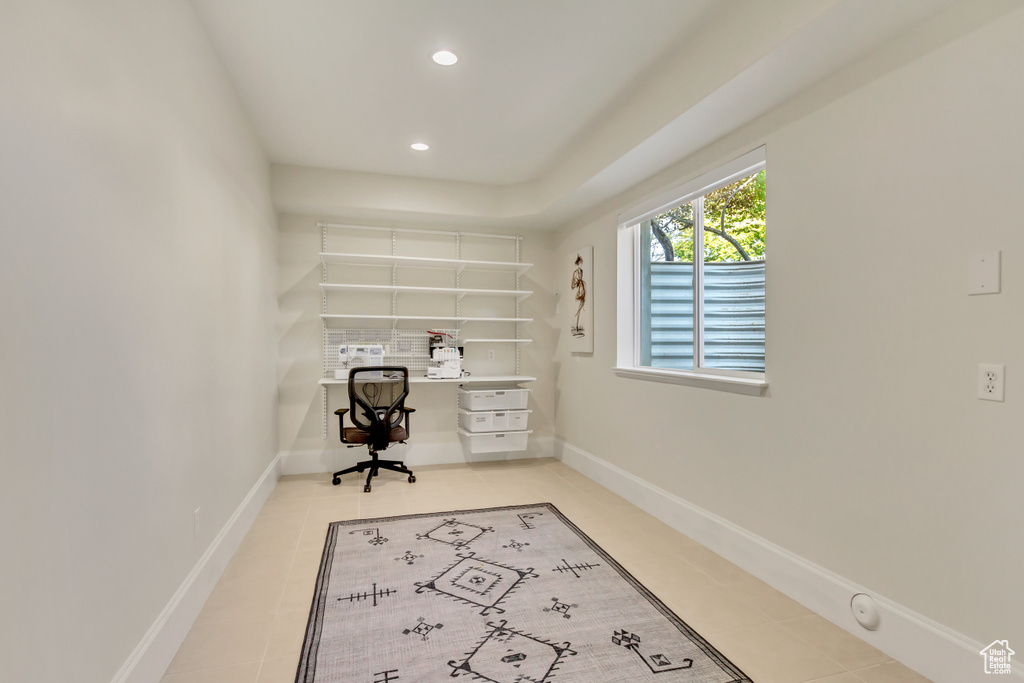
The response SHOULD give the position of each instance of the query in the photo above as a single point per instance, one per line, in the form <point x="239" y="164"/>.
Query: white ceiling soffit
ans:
<point x="554" y="106"/>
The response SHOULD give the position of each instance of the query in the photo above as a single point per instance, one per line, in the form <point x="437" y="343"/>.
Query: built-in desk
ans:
<point x="472" y="379"/>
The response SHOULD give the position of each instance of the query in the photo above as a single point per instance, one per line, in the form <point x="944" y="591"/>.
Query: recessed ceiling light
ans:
<point x="420" y="146"/>
<point x="445" y="57"/>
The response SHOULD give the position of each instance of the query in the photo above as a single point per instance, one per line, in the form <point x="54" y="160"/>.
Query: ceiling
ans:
<point x="554" y="105"/>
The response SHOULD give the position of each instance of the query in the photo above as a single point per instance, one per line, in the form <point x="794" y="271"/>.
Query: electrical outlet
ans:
<point x="195" y="523"/>
<point x="990" y="381"/>
<point x="490" y="354"/>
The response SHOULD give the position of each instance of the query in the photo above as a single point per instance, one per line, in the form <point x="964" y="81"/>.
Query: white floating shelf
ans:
<point x="346" y="318"/>
<point x="497" y="341"/>
<point x="498" y="320"/>
<point x="342" y="319"/>
<point x="459" y="291"/>
<point x="423" y="262"/>
<point x="472" y="379"/>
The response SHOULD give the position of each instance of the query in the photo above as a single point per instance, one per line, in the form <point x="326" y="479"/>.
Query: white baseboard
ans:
<point x="926" y="646"/>
<point x="148" y="662"/>
<point x="414" y="455"/>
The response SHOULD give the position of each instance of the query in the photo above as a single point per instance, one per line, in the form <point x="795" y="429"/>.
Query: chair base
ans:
<point x="374" y="466"/>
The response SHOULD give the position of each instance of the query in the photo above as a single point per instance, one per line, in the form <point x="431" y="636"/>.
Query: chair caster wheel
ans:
<point x="366" y="489"/>
<point x="412" y="479"/>
<point x="336" y="481"/>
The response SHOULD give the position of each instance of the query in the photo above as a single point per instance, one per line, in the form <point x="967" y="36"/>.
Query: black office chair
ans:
<point x="376" y="397"/>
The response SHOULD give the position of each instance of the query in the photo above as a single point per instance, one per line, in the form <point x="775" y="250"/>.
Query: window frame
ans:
<point x="629" y="251"/>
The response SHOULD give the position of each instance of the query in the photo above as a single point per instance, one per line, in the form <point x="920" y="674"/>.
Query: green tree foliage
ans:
<point x="734" y="225"/>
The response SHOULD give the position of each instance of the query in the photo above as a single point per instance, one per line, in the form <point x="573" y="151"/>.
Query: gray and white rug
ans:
<point x="506" y="595"/>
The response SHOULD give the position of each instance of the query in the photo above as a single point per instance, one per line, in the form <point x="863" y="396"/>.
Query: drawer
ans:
<point x="493" y="420"/>
<point x="494" y="442"/>
<point x="517" y="419"/>
<point x="493" y="399"/>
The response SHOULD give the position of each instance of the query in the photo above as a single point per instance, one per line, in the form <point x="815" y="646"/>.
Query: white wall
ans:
<point x="137" y="347"/>
<point x="434" y="437"/>
<point x="870" y="455"/>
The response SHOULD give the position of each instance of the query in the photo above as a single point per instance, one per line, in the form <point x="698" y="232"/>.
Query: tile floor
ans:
<point x="251" y="628"/>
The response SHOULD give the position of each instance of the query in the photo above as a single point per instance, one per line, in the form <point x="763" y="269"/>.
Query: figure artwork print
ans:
<point x="581" y="327"/>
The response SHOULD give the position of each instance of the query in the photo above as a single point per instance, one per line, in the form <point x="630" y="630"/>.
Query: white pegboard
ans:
<point x="408" y="348"/>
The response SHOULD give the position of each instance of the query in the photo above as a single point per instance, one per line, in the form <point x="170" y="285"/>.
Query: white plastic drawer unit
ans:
<point x="493" y="399"/>
<point x="494" y="420"/>
<point x="494" y="442"/>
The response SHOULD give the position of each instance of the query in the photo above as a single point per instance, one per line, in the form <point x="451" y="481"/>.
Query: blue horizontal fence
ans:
<point x="733" y="315"/>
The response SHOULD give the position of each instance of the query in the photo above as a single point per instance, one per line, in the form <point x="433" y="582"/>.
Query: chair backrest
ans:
<point x="376" y="397"/>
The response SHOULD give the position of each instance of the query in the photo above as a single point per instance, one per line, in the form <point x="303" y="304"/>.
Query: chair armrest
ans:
<point x="405" y="417"/>
<point x="340" y="412"/>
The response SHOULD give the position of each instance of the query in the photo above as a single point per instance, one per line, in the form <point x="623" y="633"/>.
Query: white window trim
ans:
<point x="627" y="355"/>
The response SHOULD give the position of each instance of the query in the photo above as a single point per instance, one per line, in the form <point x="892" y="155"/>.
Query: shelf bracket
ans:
<point x="518" y="301"/>
<point x="323" y="310"/>
<point x="323" y="397"/>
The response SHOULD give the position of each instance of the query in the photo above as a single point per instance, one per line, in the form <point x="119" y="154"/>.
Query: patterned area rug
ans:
<point x="507" y="595"/>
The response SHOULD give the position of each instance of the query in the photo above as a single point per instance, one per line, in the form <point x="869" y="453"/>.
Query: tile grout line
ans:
<point x="280" y="600"/>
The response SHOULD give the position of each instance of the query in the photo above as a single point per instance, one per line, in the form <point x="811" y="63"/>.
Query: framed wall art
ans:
<point x="580" y="278"/>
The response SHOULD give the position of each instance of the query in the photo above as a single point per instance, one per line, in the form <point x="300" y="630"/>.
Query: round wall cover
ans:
<point x="865" y="611"/>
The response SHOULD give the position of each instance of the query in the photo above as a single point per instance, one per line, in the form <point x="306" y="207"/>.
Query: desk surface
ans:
<point x="472" y="379"/>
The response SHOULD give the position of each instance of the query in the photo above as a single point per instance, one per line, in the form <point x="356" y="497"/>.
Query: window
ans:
<point x="692" y="281"/>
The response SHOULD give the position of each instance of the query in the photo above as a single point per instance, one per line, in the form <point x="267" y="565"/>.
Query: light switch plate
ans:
<point x="983" y="273"/>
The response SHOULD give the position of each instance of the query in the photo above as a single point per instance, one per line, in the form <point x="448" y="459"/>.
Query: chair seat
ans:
<point x="353" y="435"/>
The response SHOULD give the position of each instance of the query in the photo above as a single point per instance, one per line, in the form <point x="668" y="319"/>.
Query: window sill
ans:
<point x="736" y="385"/>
